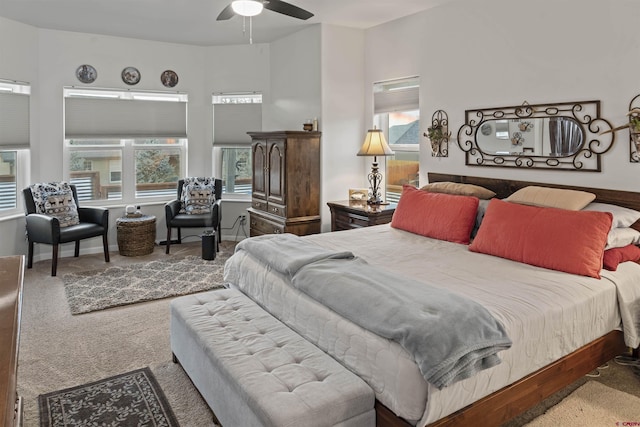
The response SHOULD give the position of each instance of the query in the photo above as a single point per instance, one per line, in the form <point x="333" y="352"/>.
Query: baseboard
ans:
<point x="232" y="237"/>
<point x="67" y="249"/>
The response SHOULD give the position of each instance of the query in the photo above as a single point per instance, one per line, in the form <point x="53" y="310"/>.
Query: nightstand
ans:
<point x="346" y="215"/>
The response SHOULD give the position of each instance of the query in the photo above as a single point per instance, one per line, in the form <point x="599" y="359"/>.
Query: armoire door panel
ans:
<point x="259" y="159"/>
<point x="276" y="166"/>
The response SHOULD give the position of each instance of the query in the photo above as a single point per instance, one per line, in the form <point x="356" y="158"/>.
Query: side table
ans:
<point x="136" y="234"/>
<point x="346" y="215"/>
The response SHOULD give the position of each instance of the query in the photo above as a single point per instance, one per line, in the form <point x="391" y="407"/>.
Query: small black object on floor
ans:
<point x="209" y="245"/>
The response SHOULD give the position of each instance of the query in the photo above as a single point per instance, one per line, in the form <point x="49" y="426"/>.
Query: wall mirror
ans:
<point x="563" y="136"/>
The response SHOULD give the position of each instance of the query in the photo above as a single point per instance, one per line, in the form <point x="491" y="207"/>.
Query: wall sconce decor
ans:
<point x="634" y="129"/>
<point x="438" y="134"/>
<point x="375" y="145"/>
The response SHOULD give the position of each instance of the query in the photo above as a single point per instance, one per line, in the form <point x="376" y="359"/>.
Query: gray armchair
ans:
<point x="178" y="220"/>
<point x="94" y="222"/>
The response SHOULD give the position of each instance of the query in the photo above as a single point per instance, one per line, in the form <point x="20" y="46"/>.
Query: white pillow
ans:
<point x="622" y="217"/>
<point x="482" y="208"/>
<point x="621" y="237"/>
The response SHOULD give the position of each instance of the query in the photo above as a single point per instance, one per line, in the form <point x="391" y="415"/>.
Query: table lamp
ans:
<point x="375" y="145"/>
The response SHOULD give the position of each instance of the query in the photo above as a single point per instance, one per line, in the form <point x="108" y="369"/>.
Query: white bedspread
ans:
<point x="547" y="314"/>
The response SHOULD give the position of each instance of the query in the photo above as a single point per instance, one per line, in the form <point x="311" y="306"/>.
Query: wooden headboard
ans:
<point x="503" y="188"/>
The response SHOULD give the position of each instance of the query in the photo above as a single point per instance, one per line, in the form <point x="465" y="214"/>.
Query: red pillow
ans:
<point x="558" y="239"/>
<point x="614" y="256"/>
<point x="441" y="216"/>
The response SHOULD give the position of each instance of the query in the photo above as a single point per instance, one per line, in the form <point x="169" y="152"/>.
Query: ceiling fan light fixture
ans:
<point x="247" y="7"/>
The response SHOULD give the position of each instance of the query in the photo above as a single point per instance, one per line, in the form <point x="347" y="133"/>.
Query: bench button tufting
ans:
<point x="249" y="347"/>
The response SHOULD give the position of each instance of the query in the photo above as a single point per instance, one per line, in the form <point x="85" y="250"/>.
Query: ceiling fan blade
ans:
<point x="227" y="13"/>
<point x="287" y="9"/>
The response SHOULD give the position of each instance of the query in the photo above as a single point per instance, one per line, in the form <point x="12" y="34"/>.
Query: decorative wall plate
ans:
<point x="169" y="78"/>
<point x="131" y="75"/>
<point x="86" y="73"/>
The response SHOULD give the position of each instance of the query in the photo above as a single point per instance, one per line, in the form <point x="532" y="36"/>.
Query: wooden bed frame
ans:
<point x="516" y="398"/>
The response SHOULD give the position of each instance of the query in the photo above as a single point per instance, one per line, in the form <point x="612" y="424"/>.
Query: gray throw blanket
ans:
<point x="287" y="253"/>
<point x="450" y="337"/>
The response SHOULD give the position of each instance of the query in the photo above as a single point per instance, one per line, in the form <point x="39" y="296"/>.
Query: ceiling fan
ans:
<point x="254" y="7"/>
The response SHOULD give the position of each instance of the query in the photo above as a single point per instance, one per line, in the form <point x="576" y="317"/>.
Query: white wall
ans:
<point x="17" y="44"/>
<point x="17" y="62"/>
<point x="494" y="53"/>
<point x="317" y="73"/>
<point x="343" y="124"/>
<point x="61" y="52"/>
<point x="468" y="55"/>
<point x="48" y="59"/>
<point x="295" y="94"/>
<point x="235" y="69"/>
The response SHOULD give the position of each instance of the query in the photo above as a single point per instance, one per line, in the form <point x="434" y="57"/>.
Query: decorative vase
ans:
<point x="435" y="148"/>
<point x="635" y="137"/>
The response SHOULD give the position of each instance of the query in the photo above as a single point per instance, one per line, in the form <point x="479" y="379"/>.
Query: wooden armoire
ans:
<point x="286" y="183"/>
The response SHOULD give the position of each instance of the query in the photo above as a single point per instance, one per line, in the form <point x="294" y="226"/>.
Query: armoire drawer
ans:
<point x="278" y="210"/>
<point x="272" y="208"/>
<point x="259" y="204"/>
<point x="264" y="226"/>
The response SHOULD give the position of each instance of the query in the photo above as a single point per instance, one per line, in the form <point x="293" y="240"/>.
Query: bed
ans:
<point x="562" y="325"/>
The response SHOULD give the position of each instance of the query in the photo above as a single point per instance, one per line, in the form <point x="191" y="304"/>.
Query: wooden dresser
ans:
<point x="346" y="214"/>
<point x="286" y="183"/>
<point x="11" y="276"/>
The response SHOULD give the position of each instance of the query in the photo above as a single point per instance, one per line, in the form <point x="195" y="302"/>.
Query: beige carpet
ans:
<point x="59" y="350"/>
<point x="593" y="404"/>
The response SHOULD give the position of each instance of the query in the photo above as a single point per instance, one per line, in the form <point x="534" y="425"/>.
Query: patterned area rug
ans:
<point x="99" y="289"/>
<point x="131" y="399"/>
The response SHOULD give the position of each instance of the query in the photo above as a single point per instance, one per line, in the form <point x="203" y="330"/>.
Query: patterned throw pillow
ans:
<point x="197" y="195"/>
<point x="56" y="199"/>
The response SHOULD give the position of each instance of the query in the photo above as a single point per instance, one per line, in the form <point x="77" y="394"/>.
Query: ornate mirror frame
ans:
<point x="585" y="113"/>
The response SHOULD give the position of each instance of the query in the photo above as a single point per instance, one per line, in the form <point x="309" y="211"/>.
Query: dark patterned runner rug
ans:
<point x="126" y="400"/>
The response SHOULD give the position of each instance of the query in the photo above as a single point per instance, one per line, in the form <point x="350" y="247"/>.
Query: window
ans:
<point x="135" y="150"/>
<point x="115" y="176"/>
<point x="397" y="113"/>
<point x="236" y="170"/>
<point x="14" y="144"/>
<point x="157" y="166"/>
<point x="234" y="114"/>
<point x="8" y="181"/>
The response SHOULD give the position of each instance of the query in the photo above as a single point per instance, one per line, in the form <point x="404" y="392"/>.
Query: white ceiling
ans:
<point x="194" y="21"/>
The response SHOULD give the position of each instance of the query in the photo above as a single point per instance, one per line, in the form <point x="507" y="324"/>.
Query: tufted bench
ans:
<point x="254" y="371"/>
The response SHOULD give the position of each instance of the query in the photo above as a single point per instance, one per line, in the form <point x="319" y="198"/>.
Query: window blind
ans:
<point x="14" y="120"/>
<point x="396" y="95"/>
<point x="124" y="118"/>
<point x="231" y="122"/>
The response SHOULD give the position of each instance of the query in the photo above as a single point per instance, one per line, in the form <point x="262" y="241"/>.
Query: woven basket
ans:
<point x="136" y="235"/>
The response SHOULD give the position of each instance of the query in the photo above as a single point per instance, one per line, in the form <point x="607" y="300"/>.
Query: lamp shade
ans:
<point x="375" y="144"/>
<point x="247" y="7"/>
